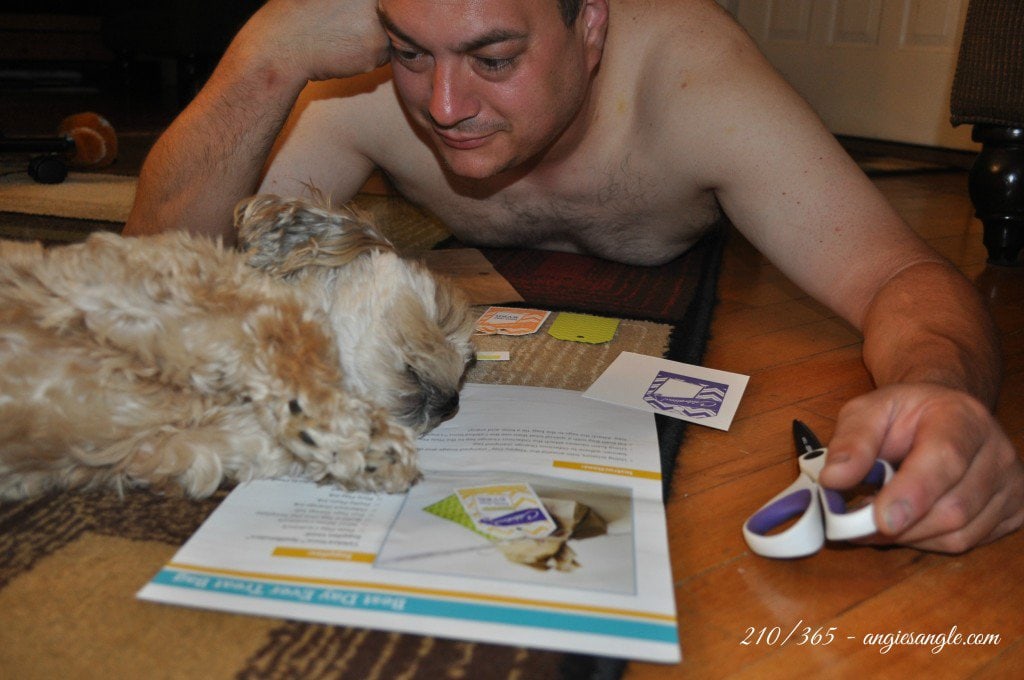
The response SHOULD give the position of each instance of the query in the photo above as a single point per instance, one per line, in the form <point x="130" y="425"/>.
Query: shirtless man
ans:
<point x="621" y="128"/>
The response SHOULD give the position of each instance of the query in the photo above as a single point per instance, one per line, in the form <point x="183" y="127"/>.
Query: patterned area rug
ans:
<point x="70" y="564"/>
<point x="591" y="285"/>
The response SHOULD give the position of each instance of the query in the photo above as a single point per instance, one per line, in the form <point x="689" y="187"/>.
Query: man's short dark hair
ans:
<point x="569" y="9"/>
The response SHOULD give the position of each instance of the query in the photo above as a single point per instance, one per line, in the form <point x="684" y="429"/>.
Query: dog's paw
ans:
<point x="390" y="460"/>
<point x="328" y="436"/>
<point x="348" y="442"/>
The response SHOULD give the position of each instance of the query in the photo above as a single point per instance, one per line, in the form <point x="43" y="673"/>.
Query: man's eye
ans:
<point x="405" y="55"/>
<point x="495" y="65"/>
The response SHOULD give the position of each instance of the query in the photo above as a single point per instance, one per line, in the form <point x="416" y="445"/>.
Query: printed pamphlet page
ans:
<point x="538" y="522"/>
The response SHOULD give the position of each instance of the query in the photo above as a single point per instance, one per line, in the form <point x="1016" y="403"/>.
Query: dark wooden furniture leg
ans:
<point x="997" y="190"/>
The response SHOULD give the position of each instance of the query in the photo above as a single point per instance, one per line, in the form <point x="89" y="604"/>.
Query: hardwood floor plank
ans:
<point x="798" y="381"/>
<point x="753" y="322"/>
<point x="756" y="353"/>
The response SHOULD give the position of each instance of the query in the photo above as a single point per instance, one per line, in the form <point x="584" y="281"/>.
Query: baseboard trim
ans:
<point x="954" y="158"/>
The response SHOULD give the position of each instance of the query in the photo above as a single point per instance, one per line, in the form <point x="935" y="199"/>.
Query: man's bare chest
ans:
<point x="620" y="221"/>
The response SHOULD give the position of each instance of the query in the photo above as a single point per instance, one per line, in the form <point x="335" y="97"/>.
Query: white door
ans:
<point x="880" y="69"/>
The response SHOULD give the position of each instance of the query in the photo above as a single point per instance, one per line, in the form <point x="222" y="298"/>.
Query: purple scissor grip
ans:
<point x="778" y="513"/>
<point x="836" y="503"/>
<point x="876" y="475"/>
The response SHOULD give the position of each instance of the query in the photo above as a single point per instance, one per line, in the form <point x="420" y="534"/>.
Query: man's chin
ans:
<point x="473" y="168"/>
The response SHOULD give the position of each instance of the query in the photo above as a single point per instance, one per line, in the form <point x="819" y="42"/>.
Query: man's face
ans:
<point x="493" y="83"/>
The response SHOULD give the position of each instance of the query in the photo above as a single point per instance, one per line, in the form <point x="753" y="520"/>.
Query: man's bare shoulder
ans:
<point x="692" y="52"/>
<point x="699" y="79"/>
<point x="700" y="32"/>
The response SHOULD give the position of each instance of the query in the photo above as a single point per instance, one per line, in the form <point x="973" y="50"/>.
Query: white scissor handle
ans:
<point x="804" y="537"/>
<point x="841" y="525"/>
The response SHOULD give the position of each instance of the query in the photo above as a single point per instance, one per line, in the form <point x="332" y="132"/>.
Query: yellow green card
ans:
<point x="583" y="328"/>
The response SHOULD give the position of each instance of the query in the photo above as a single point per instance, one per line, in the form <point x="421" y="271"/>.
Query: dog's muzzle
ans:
<point x="447" y="409"/>
<point x="429" y="409"/>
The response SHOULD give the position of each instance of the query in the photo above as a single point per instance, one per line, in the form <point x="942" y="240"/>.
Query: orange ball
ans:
<point x="94" y="137"/>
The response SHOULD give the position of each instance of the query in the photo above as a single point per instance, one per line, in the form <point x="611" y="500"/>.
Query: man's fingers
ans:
<point x="858" y="437"/>
<point x="1000" y="516"/>
<point x="962" y="484"/>
<point x="938" y="462"/>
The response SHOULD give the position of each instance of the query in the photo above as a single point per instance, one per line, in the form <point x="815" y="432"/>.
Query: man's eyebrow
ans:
<point x="498" y="35"/>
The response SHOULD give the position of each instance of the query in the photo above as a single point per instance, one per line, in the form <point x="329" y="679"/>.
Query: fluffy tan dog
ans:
<point x="172" y="362"/>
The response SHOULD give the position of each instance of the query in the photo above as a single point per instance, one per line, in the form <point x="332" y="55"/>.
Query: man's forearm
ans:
<point x="213" y="153"/>
<point x="928" y="324"/>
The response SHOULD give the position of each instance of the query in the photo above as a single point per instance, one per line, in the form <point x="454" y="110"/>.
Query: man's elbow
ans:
<point x="149" y="217"/>
<point x="143" y="222"/>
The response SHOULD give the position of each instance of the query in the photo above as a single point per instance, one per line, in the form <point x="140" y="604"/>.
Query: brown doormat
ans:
<point x="70" y="564"/>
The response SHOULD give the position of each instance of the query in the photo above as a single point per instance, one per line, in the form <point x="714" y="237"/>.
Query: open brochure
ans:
<point x="538" y="522"/>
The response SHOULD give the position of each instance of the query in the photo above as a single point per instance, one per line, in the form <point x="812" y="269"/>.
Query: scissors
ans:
<point x="822" y="512"/>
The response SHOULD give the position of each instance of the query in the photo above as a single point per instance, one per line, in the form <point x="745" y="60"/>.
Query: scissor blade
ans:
<point x="804" y="438"/>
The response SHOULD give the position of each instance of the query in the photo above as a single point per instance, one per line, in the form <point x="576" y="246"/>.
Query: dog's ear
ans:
<point x="285" y="235"/>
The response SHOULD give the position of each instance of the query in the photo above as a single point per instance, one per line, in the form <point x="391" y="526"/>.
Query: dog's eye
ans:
<point x="294" y="407"/>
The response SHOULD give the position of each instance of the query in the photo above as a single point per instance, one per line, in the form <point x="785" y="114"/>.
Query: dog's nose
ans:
<point x="449" y="407"/>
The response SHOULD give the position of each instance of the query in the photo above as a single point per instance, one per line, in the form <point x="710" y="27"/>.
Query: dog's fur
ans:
<point x="172" y="362"/>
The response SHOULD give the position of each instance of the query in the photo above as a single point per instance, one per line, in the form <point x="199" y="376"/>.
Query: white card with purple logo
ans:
<point x="696" y="394"/>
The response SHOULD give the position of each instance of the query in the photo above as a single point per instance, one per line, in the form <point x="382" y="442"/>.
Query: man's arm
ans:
<point x="928" y="339"/>
<point x="213" y="153"/>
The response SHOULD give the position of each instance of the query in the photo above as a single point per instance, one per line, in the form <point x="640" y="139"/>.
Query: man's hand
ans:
<point x="318" y="39"/>
<point x="960" y="482"/>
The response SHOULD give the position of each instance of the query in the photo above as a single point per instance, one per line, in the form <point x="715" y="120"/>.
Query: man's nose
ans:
<point x="452" y="99"/>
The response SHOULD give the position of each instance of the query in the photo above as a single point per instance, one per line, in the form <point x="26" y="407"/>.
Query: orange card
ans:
<point x="510" y="321"/>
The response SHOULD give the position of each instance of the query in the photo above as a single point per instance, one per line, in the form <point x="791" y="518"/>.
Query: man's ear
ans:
<point x="594" y="23"/>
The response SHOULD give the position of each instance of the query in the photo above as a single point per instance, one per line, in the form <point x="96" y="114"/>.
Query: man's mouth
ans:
<point x="462" y="142"/>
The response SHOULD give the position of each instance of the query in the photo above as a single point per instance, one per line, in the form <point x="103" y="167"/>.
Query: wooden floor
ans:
<point x="735" y="607"/>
